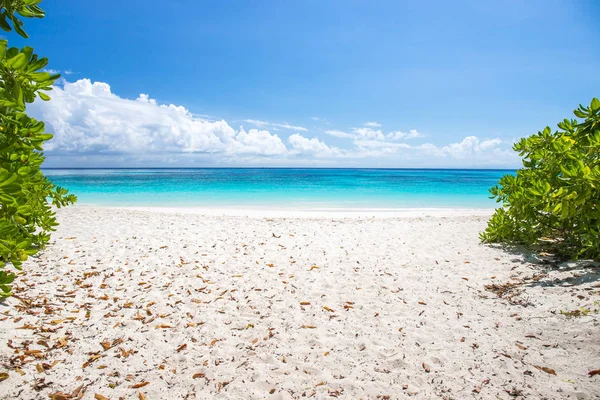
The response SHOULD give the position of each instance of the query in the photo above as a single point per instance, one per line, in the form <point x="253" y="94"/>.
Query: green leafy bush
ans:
<point x="554" y="200"/>
<point x="26" y="195"/>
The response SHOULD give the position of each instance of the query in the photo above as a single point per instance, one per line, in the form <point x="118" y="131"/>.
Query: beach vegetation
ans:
<point x="553" y="201"/>
<point x="27" y="197"/>
<point x="581" y="312"/>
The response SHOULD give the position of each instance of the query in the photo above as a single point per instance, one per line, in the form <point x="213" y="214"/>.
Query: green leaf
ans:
<point x="39" y="76"/>
<point x="43" y="96"/>
<point x="28" y="51"/>
<point x="17" y="25"/>
<point x="17" y="62"/>
<point x="4" y="23"/>
<point x="3" y="45"/>
<point x="38" y="64"/>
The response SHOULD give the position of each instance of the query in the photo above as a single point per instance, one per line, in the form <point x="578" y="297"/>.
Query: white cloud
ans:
<point x="372" y="124"/>
<point x="257" y="142"/>
<point x="399" y="135"/>
<point x="257" y="122"/>
<point x="377" y="148"/>
<point x="368" y="133"/>
<point x="380" y="144"/>
<point x="375" y="134"/>
<point x="272" y="124"/>
<point x="303" y="145"/>
<point x="470" y="152"/>
<point x="471" y="145"/>
<point x="339" y="134"/>
<point x="56" y="71"/>
<point x="489" y="144"/>
<point x="87" y="117"/>
<point x="93" y="125"/>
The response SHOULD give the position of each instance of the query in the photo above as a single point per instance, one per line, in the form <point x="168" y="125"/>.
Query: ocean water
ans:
<point x="281" y="188"/>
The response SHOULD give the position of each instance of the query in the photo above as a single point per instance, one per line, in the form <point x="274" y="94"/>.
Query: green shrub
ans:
<point x="554" y="200"/>
<point x="26" y="195"/>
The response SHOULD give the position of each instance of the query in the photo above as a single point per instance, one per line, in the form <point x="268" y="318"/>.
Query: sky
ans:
<point x="311" y="83"/>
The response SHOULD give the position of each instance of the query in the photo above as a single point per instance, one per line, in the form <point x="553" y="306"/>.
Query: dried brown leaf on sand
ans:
<point x="546" y="370"/>
<point x="35" y="353"/>
<point x="139" y="385"/>
<point x="198" y="375"/>
<point x="106" y="345"/>
<point x="60" y="396"/>
<point x="426" y="367"/>
<point x="77" y="394"/>
<point x="594" y="372"/>
<point x="27" y="326"/>
<point x="141" y="396"/>
<point x="308" y="327"/>
<point x="3" y="376"/>
<point x="98" y="396"/>
<point x="91" y="360"/>
<point x="182" y="347"/>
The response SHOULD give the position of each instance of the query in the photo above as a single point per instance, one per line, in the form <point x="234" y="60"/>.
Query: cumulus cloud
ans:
<point x="87" y="117"/>
<point x="95" y="126"/>
<point x="302" y="145"/>
<point x="471" y="145"/>
<point x="471" y="151"/>
<point x="369" y="133"/>
<point x="257" y="142"/>
<point x="399" y="135"/>
<point x="375" y="134"/>
<point x="378" y="148"/>
<point x="275" y="125"/>
<point x="339" y="134"/>
<point x="372" y="124"/>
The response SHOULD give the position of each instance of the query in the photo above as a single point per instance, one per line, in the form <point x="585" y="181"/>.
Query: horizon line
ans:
<point x="332" y="168"/>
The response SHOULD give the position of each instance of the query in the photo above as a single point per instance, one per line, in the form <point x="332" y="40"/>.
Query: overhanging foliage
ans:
<point x="26" y="195"/>
<point x="554" y="200"/>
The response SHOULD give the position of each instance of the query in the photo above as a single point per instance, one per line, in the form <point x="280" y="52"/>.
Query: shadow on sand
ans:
<point x="582" y="271"/>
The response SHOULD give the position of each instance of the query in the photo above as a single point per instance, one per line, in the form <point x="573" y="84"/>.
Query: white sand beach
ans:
<point x="175" y="304"/>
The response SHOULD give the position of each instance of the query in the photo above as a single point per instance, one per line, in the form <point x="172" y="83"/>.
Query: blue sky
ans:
<point x="317" y="83"/>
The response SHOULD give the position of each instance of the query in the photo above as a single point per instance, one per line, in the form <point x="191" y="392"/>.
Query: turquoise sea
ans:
<point x="281" y="188"/>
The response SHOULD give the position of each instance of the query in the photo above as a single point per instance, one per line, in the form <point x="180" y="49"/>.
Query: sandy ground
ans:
<point x="166" y="304"/>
